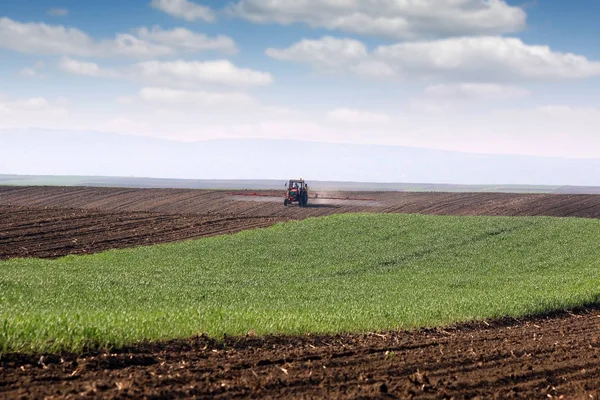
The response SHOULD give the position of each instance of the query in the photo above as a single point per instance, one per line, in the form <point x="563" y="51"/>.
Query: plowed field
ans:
<point x="537" y="358"/>
<point x="206" y="202"/>
<point x="50" y="233"/>
<point x="56" y="221"/>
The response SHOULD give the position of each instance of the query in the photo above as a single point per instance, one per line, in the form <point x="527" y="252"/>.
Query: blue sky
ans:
<point x="480" y="76"/>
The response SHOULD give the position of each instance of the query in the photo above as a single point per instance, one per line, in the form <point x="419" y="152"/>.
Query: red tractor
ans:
<point x="297" y="191"/>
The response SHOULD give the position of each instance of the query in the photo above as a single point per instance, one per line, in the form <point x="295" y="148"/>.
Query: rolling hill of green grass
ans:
<point x="335" y="274"/>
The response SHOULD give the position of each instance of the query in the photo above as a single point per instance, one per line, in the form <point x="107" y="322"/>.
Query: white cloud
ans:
<point x="476" y="91"/>
<point x="77" y="67"/>
<point x="552" y="119"/>
<point x="175" y="74"/>
<point x="31" y="72"/>
<point x="196" y="73"/>
<point x="184" y="9"/>
<point x="188" y="115"/>
<point x="186" y="40"/>
<point x="39" y="110"/>
<point x="560" y="111"/>
<point x="389" y="18"/>
<point x="430" y="106"/>
<point x="555" y="130"/>
<point x="325" y="53"/>
<point x="478" y="59"/>
<point x="563" y="131"/>
<point x="453" y="96"/>
<point x="58" y="12"/>
<point x="484" y="58"/>
<point x="33" y="103"/>
<point x="330" y="54"/>
<point x="374" y="69"/>
<point x="28" y="72"/>
<point x="193" y="98"/>
<point x="40" y="38"/>
<point x="282" y="111"/>
<point x="351" y="116"/>
<point x="128" y="45"/>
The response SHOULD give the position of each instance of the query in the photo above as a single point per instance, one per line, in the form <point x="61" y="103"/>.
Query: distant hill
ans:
<point x="271" y="184"/>
<point x="71" y="153"/>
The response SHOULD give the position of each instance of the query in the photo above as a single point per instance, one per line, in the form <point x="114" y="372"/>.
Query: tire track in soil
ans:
<point x="542" y="357"/>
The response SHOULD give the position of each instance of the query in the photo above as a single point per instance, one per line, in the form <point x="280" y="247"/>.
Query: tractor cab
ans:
<point x="295" y="184"/>
<point x="297" y="191"/>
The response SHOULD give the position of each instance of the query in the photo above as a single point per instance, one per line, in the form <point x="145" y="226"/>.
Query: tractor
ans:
<point x="297" y="191"/>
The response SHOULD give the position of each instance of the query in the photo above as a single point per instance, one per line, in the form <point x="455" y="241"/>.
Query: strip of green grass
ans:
<point x="335" y="274"/>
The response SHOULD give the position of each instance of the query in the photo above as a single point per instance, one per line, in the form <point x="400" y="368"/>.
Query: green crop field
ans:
<point x="362" y="272"/>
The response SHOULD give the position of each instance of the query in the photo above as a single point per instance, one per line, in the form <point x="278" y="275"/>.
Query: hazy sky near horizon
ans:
<point x="483" y="76"/>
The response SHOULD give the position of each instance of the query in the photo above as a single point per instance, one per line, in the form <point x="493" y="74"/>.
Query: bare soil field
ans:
<point x="535" y="358"/>
<point x="50" y="222"/>
<point x="210" y="202"/>
<point x="55" y="232"/>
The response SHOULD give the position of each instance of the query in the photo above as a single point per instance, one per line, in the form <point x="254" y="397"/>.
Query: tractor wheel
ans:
<point x="285" y="202"/>
<point x="305" y="199"/>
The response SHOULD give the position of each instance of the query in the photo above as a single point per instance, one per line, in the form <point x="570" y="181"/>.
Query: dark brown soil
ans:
<point x="535" y="358"/>
<point x="207" y="202"/>
<point x="51" y="222"/>
<point x="57" y="221"/>
<point x="51" y="233"/>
